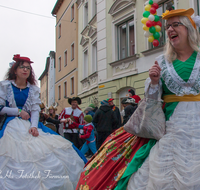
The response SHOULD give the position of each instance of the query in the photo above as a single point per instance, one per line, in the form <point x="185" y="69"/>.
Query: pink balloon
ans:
<point x="155" y="43"/>
<point x="159" y="23"/>
<point x="155" y="5"/>
<point x="149" y="23"/>
<point x="152" y="10"/>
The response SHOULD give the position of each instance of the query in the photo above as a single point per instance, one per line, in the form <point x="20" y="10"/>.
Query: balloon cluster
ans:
<point x="152" y="25"/>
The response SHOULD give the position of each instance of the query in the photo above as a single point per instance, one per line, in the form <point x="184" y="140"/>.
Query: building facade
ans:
<point x="44" y="81"/>
<point x="51" y="79"/>
<point x="101" y="51"/>
<point x="124" y="54"/>
<point x="87" y="52"/>
<point x="66" y="70"/>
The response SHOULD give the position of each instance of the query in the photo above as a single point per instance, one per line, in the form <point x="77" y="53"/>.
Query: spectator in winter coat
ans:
<point x="89" y="111"/>
<point x="106" y="122"/>
<point x="116" y="111"/>
<point x="129" y="109"/>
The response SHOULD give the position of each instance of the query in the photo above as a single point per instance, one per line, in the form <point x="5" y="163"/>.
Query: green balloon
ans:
<point x="152" y="29"/>
<point x="146" y="14"/>
<point x="157" y="18"/>
<point x="151" y="2"/>
<point x="156" y="35"/>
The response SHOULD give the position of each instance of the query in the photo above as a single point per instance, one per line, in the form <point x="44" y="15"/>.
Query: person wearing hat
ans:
<point x="173" y="162"/>
<point x="26" y="144"/>
<point x="106" y="122"/>
<point x="77" y="116"/>
<point x="116" y="111"/>
<point x="129" y="109"/>
<point x="88" y="135"/>
<point x="131" y="94"/>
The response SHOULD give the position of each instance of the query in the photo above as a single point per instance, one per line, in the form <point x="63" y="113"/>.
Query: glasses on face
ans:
<point x="25" y="67"/>
<point x="173" y="25"/>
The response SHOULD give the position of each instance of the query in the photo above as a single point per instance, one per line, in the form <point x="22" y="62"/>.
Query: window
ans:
<point x="166" y="5"/>
<point x="59" y="92"/>
<point x="126" y="39"/>
<point x="85" y="15"/>
<point x="94" y="7"/>
<point x="72" y="85"/>
<point x="59" y="64"/>
<point x="59" y="31"/>
<point x="72" y="52"/>
<point x="65" y="89"/>
<point x="72" y="12"/>
<point x="196" y="7"/>
<point x="85" y="64"/>
<point x="66" y="58"/>
<point x="94" y="57"/>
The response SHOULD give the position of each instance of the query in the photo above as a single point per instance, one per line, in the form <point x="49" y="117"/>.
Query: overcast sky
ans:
<point x="26" y="34"/>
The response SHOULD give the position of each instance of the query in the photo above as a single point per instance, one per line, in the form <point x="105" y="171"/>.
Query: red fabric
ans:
<point x="17" y="58"/>
<point x="106" y="167"/>
<point x="137" y="98"/>
<point x="78" y="118"/>
<point x="87" y="132"/>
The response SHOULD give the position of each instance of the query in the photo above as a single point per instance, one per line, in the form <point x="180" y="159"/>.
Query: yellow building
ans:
<point x="66" y="59"/>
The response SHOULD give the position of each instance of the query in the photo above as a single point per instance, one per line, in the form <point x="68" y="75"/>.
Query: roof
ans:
<point x="57" y="7"/>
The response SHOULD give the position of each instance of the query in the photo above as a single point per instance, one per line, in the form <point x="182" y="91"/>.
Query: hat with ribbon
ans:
<point x="180" y="12"/>
<point x="18" y="58"/>
<point x="74" y="99"/>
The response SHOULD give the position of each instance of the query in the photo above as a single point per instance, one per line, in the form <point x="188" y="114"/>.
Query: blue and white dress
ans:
<point x="46" y="162"/>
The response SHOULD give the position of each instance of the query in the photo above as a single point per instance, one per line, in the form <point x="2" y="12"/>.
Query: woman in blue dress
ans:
<point x="31" y="155"/>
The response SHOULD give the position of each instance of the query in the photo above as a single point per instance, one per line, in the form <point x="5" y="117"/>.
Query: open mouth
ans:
<point x="174" y="36"/>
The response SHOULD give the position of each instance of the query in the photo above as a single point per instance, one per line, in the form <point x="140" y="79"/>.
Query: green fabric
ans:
<point x="135" y="164"/>
<point x="184" y="69"/>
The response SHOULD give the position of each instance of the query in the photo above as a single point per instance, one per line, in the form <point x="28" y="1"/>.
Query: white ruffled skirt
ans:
<point x="46" y="162"/>
<point x="174" y="161"/>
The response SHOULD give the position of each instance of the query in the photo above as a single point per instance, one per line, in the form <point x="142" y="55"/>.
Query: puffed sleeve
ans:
<point x="35" y="98"/>
<point x="3" y="92"/>
<point x="34" y="105"/>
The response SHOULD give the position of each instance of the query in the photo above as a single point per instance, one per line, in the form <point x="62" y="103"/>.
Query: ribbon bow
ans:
<point x="166" y="13"/>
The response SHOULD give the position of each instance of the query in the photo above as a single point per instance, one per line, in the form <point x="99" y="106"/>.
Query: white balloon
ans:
<point x="147" y="34"/>
<point x="160" y="34"/>
<point x="151" y="17"/>
<point x="146" y="3"/>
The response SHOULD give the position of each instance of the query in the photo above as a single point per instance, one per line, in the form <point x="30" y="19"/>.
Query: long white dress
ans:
<point x="174" y="161"/>
<point x="46" y="162"/>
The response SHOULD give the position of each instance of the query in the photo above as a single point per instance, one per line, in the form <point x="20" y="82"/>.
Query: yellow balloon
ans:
<point x="150" y="38"/>
<point x="158" y="28"/>
<point x="145" y="28"/>
<point x="144" y="20"/>
<point x="147" y="7"/>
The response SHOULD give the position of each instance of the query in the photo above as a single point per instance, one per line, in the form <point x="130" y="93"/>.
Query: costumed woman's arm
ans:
<point x="9" y="111"/>
<point x="153" y="84"/>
